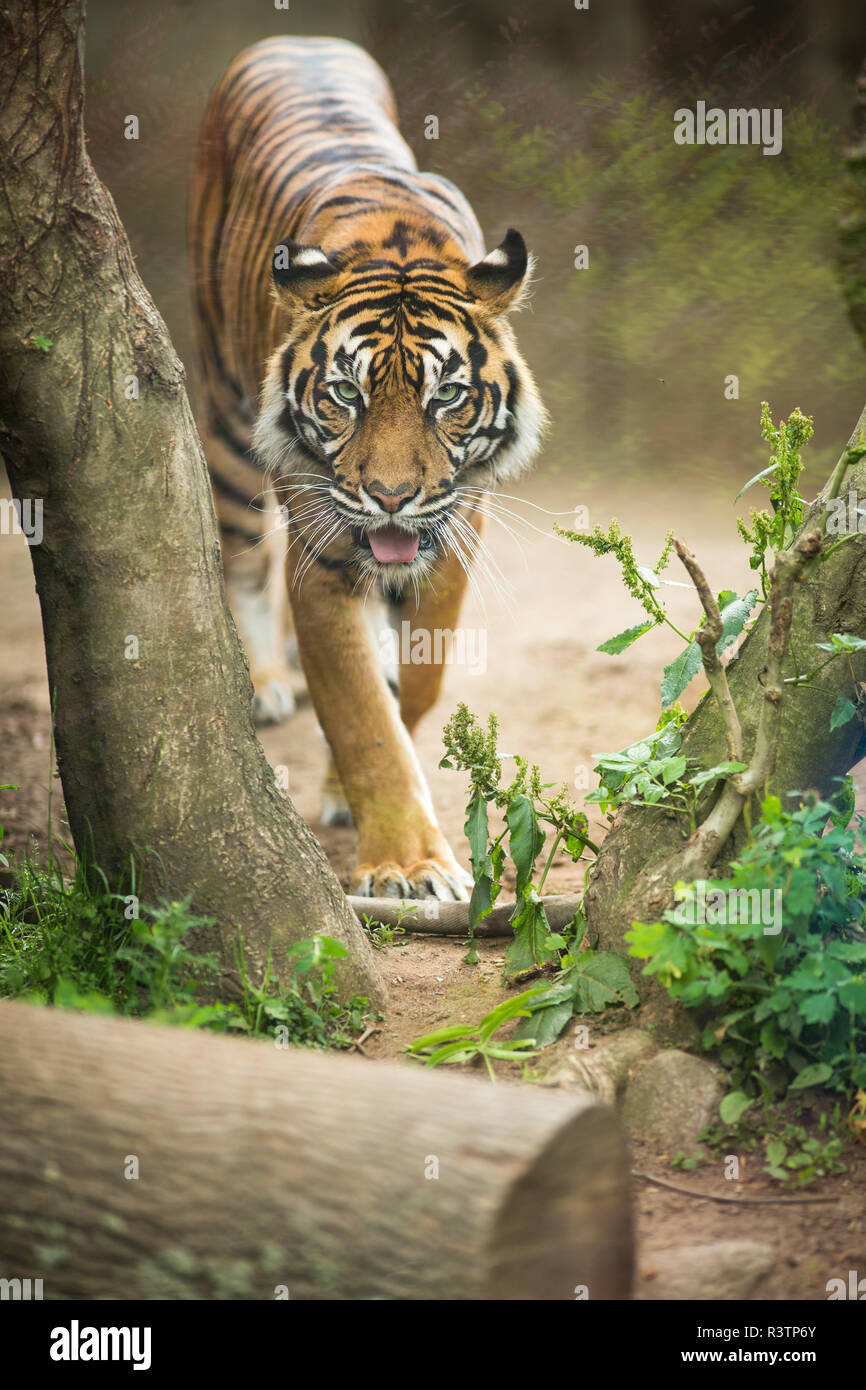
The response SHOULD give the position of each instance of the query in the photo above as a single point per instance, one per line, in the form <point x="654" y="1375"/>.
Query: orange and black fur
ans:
<point x="358" y="372"/>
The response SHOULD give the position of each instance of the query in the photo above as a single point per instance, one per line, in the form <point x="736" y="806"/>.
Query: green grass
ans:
<point x="76" y="943"/>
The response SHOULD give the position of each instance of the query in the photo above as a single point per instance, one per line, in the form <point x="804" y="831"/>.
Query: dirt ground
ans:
<point x="560" y="703"/>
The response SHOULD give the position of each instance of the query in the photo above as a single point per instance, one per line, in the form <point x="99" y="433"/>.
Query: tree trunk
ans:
<point x="155" y="743"/>
<point x="139" y="1162"/>
<point x="626" y="883"/>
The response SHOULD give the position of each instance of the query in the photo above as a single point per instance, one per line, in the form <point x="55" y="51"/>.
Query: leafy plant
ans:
<point x="384" y="934"/>
<point x="72" y="945"/>
<point x="784" y="1000"/>
<point x="769" y="533"/>
<point x="653" y="771"/>
<point x="685" y="1164"/>
<point x="306" y="1010"/>
<point x="790" y="1152"/>
<point x="587" y="981"/>
<point x="461" y="1043"/>
<point x="774" y="531"/>
<point x="798" y="1157"/>
<point x="527" y="807"/>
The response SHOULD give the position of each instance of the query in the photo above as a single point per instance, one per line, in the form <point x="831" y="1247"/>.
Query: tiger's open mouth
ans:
<point x="394" y="545"/>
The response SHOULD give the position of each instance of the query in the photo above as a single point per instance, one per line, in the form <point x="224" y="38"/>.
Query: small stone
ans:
<point x="673" y="1097"/>
<point x="725" y="1271"/>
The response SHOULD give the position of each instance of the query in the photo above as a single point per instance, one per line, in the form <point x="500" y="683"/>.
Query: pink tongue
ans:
<point x="392" y="546"/>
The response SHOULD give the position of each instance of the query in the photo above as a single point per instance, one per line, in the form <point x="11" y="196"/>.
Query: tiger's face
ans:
<point x="397" y="395"/>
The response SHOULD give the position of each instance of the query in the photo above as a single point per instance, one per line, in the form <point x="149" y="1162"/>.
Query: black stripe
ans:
<point x="222" y="431"/>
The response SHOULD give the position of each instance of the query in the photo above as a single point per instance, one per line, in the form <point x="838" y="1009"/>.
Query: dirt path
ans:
<point x="559" y="702"/>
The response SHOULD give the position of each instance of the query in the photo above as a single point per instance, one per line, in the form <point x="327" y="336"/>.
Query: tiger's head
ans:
<point x="397" y="395"/>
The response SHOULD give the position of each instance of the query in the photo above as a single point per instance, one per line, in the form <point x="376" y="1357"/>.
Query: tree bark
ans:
<point x="155" y="742"/>
<point x="628" y="883"/>
<point x="265" y="1173"/>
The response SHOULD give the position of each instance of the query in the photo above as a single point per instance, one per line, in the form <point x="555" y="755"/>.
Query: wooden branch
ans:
<point x="786" y="572"/>
<point x="168" y="1164"/>
<point x="452" y="918"/>
<point x="695" y="859"/>
<point x="707" y="638"/>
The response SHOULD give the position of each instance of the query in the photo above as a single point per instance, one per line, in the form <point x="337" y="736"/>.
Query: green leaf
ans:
<point x="764" y="473"/>
<point x="843" y="642"/>
<point x="546" y="1022"/>
<point x="713" y="773"/>
<point x="533" y="943"/>
<point x="735" y="615"/>
<point x="773" y="1041"/>
<point x="733" y="1106"/>
<point x="852" y="995"/>
<point x="679" y="672"/>
<point x="477" y="833"/>
<point x="814" y="1075"/>
<point x="843" y="802"/>
<point x="672" y="770"/>
<point x="476" y="827"/>
<point x="454" y="1052"/>
<point x="526" y="839"/>
<point x="645" y="938"/>
<point x="615" y="645"/>
<point x="843" y="712"/>
<point x="818" y="1008"/>
<point x="601" y="978"/>
<point x="649" y="576"/>
<point x="776" y="1152"/>
<point x="514" y="1007"/>
<point x="506" y="1051"/>
<point x="462" y="1030"/>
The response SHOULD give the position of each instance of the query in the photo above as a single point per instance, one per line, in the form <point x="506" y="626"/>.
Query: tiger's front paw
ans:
<point x="428" y="878"/>
<point x="273" y="699"/>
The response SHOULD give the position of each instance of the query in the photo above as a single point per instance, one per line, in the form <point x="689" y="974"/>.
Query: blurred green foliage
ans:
<point x="704" y="261"/>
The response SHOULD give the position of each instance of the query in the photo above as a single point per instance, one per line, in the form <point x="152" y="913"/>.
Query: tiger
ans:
<point x="361" y="392"/>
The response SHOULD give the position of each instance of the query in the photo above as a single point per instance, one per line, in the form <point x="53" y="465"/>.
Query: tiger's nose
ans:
<point x="391" y="498"/>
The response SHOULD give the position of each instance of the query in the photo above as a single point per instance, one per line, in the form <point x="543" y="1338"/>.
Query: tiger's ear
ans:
<point x="304" y="274"/>
<point x="500" y="279"/>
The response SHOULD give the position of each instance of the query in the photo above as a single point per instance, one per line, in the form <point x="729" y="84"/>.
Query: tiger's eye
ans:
<point x="449" y="392"/>
<point x="347" y="391"/>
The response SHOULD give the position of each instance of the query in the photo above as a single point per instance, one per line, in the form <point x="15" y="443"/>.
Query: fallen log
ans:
<point x="435" y="918"/>
<point x="142" y="1162"/>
